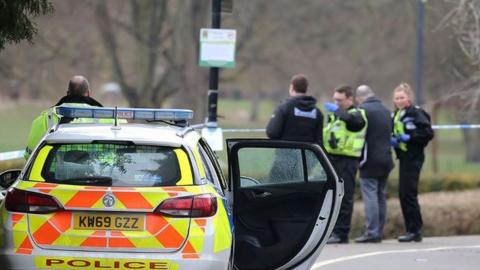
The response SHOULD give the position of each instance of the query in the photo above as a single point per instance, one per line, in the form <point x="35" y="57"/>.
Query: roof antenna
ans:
<point x="116" y="117"/>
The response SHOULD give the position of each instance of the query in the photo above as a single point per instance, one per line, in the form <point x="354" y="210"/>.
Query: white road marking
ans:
<point x="353" y="257"/>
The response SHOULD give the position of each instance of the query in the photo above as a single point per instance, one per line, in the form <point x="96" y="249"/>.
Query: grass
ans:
<point x="15" y="120"/>
<point x="237" y="114"/>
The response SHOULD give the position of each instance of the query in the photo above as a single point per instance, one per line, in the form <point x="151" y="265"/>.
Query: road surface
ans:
<point x="439" y="253"/>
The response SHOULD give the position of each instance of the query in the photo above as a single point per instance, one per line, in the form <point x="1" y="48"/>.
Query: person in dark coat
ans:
<point x="297" y="118"/>
<point x="412" y="131"/>
<point x="375" y="165"/>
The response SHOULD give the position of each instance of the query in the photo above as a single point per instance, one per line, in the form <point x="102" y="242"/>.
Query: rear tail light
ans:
<point x="30" y="202"/>
<point x="204" y="205"/>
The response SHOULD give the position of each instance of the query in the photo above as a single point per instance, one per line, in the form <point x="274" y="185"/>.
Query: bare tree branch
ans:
<point x="106" y="31"/>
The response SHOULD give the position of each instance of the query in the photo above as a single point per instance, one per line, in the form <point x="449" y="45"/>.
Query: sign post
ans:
<point x="217" y="50"/>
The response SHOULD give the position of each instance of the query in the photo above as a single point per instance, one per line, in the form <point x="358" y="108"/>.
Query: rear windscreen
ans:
<point x="111" y="164"/>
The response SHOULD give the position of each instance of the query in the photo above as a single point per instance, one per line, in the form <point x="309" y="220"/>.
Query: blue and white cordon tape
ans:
<point x="433" y="126"/>
<point x="19" y="154"/>
<point x="11" y="155"/>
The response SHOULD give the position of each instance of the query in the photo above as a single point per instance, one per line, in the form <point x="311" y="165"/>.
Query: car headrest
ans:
<point x="76" y="156"/>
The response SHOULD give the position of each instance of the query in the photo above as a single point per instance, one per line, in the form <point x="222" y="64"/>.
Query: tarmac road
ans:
<point x="434" y="253"/>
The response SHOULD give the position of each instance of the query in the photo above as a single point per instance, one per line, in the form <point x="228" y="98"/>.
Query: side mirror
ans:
<point x="8" y="177"/>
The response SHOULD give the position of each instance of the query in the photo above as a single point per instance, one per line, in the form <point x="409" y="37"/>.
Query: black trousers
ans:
<point x="346" y="168"/>
<point x="410" y="167"/>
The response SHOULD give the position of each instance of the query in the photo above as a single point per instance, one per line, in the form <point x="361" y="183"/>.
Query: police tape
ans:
<point x="455" y="126"/>
<point x="232" y="130"/>
<point x="11" y="155"/>
<point x="19" y="154"/>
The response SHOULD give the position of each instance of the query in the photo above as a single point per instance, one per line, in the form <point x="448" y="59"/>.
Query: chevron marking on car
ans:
<point x="21" y="241"/>
<point x="160" y="232"/>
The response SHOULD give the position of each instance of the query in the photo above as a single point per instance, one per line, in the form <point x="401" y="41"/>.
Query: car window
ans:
<point x="212" y="157"/>
<point x="206" y="165"/>
<point x="316" y="171"/>
<point x="122" y="164"/>
<point x="276" y="166"/>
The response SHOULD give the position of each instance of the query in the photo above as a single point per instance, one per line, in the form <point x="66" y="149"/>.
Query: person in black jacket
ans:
<point x="411" y="133"/>
<point x="297" y="118"/>
<point x="375" y="165"/>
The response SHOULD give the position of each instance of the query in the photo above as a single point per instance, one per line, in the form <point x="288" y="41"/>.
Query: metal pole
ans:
<point x="419" y="51"/>
<point x="214" y="71"/>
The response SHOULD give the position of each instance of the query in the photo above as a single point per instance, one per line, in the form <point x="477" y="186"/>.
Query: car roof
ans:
<point x="146" y="134"/>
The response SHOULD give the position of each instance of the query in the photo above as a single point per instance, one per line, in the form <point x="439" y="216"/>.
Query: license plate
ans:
<point x="120" y="222"/>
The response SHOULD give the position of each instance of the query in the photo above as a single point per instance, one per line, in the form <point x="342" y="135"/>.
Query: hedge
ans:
<point x="444" y="213"/>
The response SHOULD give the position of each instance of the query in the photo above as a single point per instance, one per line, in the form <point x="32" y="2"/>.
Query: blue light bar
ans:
<point x="125" y="113"/>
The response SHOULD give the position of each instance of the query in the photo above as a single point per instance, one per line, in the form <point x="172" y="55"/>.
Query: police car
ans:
<point x="153" y="196"/>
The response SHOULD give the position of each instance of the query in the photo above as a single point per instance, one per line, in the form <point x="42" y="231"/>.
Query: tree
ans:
<point x="464" y="21"/>
<point x="153" y="49"/>
<point x="16" y="19"/>
<point x="152" y="46"/>
<point x="66" y="44"/>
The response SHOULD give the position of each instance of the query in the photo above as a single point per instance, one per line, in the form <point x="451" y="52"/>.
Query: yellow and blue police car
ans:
<point x="153" y="196"/>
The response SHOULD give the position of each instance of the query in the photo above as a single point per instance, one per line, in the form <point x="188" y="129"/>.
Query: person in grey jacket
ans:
<point x="376" y="164"/>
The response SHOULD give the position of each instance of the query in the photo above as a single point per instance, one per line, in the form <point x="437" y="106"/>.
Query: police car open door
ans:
<point x="286" y="198"/>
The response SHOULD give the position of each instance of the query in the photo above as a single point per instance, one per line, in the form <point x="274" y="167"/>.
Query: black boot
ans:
<point x="411" y="237"/>
<point x="337" y="239"/>
<point x="368" y="239"/>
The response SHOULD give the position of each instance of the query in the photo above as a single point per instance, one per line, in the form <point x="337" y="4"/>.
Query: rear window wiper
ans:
<point x="88" y="181"/>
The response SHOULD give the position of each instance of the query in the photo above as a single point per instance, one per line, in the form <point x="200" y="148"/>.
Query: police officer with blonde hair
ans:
<point x="411" y="133"/>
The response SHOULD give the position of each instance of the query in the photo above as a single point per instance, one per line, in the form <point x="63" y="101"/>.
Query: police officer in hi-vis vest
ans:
<point x="411" y="133"/>
<point x="343" y="139"/>
<point x="78" y="94"/>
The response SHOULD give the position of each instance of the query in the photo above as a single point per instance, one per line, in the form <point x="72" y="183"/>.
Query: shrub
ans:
<point x="11" y="164"/>
<point x="444" y="213"/>
<point x="435" y="183"/>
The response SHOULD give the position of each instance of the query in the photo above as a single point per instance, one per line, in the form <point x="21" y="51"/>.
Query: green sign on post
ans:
<point x="217" y="47"/>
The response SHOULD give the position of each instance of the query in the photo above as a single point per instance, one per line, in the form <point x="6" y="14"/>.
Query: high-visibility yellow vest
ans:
<point x="46" y="120"/>
<point x="399" y="129"/>
<point x="338" y="140"/>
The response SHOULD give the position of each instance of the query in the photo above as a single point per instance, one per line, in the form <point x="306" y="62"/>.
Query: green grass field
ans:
<point x="15" y="120"/>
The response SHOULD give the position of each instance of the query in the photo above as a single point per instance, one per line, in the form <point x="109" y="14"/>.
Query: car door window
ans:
<point x="316" y="172"/>
<point x="260" y="166"/>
